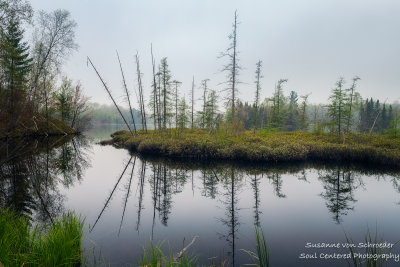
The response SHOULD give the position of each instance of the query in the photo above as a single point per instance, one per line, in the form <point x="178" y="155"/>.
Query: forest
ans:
<point x="34" y="99"/>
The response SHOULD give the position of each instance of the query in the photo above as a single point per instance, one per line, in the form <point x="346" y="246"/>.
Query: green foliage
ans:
<point x="394" y="126"/>
<point x="63" y="99"/>
<point x="165" y="94"/>
<point x="183" y="114"/>
<point x="336" y="108"/>
<point x="23" y="245"/>
<point x="15" y="65"/>
<point x="278" y="102"/>
<point x="14" y="58"/>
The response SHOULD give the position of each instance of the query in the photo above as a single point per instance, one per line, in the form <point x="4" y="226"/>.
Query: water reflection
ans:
<point x="232" y="182"/>
<point x="339" y="186"/>
<point x="159" y="199"/>
<point x="31" y="171"/>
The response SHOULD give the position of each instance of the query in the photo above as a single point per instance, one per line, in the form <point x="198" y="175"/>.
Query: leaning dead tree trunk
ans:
<point x="141" y="99"/>
<point x="127" y="93"/>
<point x="155" y="98"/>
<point x="109" y="93"/>
<point x="376" y="118"/>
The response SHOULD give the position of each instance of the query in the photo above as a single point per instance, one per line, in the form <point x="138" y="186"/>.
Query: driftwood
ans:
<point x="180" y="253"/>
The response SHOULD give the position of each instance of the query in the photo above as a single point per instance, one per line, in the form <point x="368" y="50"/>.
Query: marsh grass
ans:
<point x="21" y="244"/>
<point x="263" y="146"/>
<point x="154" y="256"/>
<point x="368" y="262"/>
<point x="261" y="255"/>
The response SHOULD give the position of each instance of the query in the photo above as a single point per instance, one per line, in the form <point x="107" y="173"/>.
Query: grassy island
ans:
<point x="263" y="146"/>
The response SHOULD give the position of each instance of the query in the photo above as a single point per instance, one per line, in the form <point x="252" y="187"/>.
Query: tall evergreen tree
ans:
<point x="350" y="103"/>
<point x="165" y="75"/>
<point x="182" y="115"/>
<point x="278" y="103"/>
<point x="15" y="65"/>
<point x="293" y="112"/>
<point x="336" y="108"/>
<point x="303" y="116"/>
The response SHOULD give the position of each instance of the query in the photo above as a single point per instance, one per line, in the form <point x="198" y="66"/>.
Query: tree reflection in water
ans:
<point x="32" y="169"/>
<point x="339" y="186"/>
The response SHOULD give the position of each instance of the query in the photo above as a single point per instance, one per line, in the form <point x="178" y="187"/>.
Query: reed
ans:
<point x="357" y="261"/>
<point x="153" y="255"/>
<point x="261" y="256"/>
<point x="21" y="244"/>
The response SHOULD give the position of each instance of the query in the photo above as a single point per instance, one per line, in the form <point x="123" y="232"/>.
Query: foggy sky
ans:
<point x="310" y="42"/>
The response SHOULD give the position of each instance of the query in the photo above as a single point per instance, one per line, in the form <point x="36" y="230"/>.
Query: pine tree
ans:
<point x="182" y="115"/>
<point x="211" y="110"/>
<point x="15" y="65"/>
<point x="293" y="112"/>
<point x="350" y="103"/>
<point x="303" y="117"/>
<point x="64" y="100"/>
<point x="278" y="103"/>
<point x="336" y="108"/>
<point x="165" y="75"/>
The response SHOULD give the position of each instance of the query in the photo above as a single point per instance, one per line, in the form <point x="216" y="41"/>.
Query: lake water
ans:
<point x="127" y="201"/>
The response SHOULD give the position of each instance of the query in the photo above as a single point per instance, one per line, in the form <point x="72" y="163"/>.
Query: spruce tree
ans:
<point x="165" y="95"/>
<point x="15" y="64"/>
<point x="293" y="112"/>
<point x="336" y="108"/>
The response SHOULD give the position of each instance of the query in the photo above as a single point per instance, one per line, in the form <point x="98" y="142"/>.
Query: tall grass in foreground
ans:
<point x="154" y="256"/>
<point x="357" y="261"/>
<point x="24" y="245"/>
<point x="261" y="256"/>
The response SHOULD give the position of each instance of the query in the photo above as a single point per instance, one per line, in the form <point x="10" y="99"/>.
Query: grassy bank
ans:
<point x="38" y="127"/>
<point x="21" y="244"/>
<point x="263" y="146"/>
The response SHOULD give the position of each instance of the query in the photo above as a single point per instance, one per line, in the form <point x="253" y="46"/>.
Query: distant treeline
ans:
<point x="345" y="111"/>
<point x="108" y="114"/>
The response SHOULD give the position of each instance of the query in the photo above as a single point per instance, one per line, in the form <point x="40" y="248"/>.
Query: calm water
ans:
<point x="128" y="200"/>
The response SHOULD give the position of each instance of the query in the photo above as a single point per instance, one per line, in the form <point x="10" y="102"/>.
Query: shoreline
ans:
<point x="262" y="147"/>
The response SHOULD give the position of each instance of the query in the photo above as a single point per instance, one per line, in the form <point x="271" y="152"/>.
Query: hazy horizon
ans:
<point x="311" y="43"/>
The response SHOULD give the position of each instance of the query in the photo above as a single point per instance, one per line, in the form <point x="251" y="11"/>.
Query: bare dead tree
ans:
<point x="258" y="89"/>
<point x="109" y="93"/>
<point x="127" y="93"/>
<point x="141" y="99"/>
<point x="205" y="88"/>
<point x="233" y="67"/>
<point x="192" y="102"/>
<point x="155" y="97"/>
<point x="176" y="83"/>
